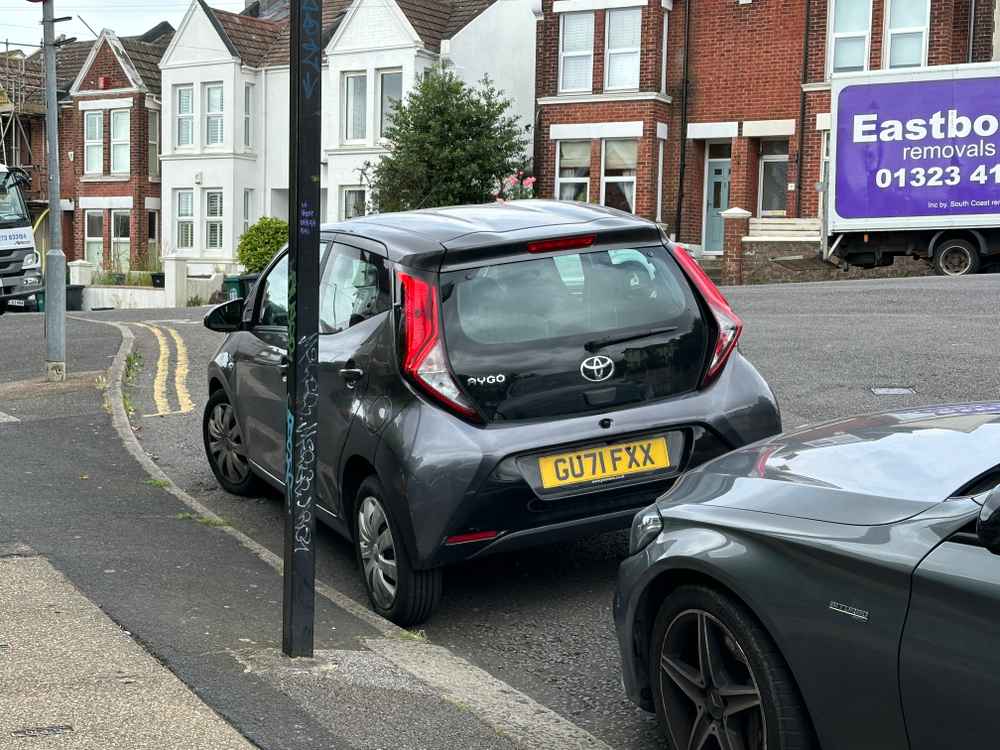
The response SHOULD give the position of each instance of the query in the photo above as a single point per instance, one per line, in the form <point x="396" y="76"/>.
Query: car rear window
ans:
<point x="569" y="295"/>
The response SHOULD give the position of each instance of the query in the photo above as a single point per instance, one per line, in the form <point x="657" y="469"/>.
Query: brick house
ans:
<point x="617" y="126"/>
<point x="109" y="135"/>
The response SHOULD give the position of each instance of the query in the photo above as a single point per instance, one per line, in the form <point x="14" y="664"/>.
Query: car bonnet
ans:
<point x="870" y="470"/>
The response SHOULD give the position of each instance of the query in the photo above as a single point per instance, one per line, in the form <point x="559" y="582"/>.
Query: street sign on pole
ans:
<point x="301" y="440"/>
<point x="55" y="260"/>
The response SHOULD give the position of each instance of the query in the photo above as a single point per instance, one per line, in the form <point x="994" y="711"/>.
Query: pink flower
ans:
<point x="530" y="182"/>
<point x="512" y="181"/>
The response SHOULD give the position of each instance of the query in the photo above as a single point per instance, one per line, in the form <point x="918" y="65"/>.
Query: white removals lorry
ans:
<point x="914" y="167"/>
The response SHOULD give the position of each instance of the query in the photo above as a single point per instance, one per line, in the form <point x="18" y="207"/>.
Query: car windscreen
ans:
<point x="531" y="325"/>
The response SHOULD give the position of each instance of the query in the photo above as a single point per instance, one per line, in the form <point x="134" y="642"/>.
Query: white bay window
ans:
<point x="573" y="171"/>
<point x="576" y="52"/>
<point x="622" y="45"/>
<point x="213" y="219"/>
<point x="184" y="127"/>
<point x="120" y="122"/>
<point x="93" y="142"/>
<point x="621" y="158"/>
<point x="355" y="98"/>
<point x="153" y="152"/>
<point x="850" y="35"/>
<point x="906" y="33"/>
<point x="214" y="115"/>
<point x="94" y="237"/>
<point x="184" y="215"/>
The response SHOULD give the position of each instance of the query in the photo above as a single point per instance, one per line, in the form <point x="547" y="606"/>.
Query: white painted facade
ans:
<point x="374" y="38"/>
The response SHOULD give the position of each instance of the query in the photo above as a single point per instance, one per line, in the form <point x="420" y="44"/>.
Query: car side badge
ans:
<point x="858" y="614"/>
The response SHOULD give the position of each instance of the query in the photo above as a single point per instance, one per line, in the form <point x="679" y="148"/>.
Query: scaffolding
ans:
<point x="22" y="107"/>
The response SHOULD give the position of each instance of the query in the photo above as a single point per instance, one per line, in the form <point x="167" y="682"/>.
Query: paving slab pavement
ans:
<point x="71" y="678"/>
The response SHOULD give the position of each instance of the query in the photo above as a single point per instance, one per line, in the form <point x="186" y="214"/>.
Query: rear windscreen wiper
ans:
<point x="593" y="346"/>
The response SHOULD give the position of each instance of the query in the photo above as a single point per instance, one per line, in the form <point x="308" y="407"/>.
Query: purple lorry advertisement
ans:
<point x="919" y="148"/>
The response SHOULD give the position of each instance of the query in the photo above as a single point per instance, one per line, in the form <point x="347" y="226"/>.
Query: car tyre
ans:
<point x="747" y="690"/>
<point x="956" y="258"/>
<point x="3" y="306"/>
<point x="225" y="447"/>
<point x="395" y="589"/>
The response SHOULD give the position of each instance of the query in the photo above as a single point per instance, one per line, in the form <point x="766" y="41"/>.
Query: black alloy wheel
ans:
<point x="718" y="681"/>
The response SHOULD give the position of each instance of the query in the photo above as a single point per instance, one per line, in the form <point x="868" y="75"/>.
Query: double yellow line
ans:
<point x="185" y="404"/>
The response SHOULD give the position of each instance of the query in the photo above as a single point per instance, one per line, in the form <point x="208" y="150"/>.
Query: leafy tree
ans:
<point x="261" y="242"/>
<point x="448" y="144"/>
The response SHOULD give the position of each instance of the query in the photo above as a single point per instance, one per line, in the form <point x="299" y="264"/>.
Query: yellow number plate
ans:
<point x="606" y="462"/>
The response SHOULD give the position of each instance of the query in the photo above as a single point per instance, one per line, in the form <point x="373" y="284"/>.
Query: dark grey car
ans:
<point x="491" y="377"/>
<point x="837" y="587"/>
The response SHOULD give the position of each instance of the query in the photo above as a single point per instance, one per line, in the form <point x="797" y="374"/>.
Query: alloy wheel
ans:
<point x="225" y="444"/>
<point x="709" y="692"/>
<point x="956" y="261"/>
<point x="378" y="552"/>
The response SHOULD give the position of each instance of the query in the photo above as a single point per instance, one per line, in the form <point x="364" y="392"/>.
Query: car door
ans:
<point x="949" y="660"/>
<point x="355" y="304"/>
<point x="261" y="392"/>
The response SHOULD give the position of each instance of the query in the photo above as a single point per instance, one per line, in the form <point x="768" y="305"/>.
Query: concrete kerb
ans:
<point x="519" y="717"/>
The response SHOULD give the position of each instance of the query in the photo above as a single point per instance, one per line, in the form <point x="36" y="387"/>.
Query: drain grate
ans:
<point x="48" y="731"/>
<point x="893" y="390"/>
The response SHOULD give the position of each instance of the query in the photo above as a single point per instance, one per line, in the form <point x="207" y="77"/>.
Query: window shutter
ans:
<point x="215" y="204"/>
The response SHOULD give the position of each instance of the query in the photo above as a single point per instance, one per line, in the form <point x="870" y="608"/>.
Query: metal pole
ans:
<point x="301" y="442"/>
<point x="55" y="261"/>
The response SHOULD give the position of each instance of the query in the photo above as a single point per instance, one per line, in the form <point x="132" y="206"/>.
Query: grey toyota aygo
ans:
<point x="491" y="377"/>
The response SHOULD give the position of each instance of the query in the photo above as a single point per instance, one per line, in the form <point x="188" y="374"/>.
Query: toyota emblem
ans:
<point x="597" y="369"/>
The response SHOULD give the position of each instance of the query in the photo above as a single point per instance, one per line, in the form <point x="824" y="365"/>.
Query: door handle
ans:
<point x="352" y="375"/>
<point x="283" y="368"/>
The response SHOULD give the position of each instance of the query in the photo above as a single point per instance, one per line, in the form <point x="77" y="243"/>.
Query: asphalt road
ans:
<point x="541" y="619"/>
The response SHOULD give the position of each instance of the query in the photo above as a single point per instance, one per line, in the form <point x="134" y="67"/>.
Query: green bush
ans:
<point x="261" y="242"/>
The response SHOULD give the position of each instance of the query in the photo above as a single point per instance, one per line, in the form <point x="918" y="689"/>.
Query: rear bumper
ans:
<point x="556" y="532"/>
<point x="445" y="477"/>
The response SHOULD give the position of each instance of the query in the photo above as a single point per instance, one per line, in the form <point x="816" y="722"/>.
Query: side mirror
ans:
<point x="225" y="318"/>
<point x="988" y="525"/>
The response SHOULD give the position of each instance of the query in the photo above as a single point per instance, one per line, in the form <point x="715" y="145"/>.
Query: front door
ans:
<point x="717" y="201"/>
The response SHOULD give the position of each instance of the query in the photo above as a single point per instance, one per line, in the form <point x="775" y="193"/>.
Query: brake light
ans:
<point x="729" y="324"/>
<point x="424" y="357"/>
<point x="563" y="243"/>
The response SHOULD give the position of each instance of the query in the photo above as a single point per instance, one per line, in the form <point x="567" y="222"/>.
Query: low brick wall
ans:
<point x="759" y="268"/>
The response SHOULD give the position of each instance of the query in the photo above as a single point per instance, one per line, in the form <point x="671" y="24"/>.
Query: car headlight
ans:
<point x="31" y="260"/>
<point x="645" y="528"/>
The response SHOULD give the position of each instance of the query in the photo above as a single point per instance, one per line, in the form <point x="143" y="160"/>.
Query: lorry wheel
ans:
<point x="956" y="258"/>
